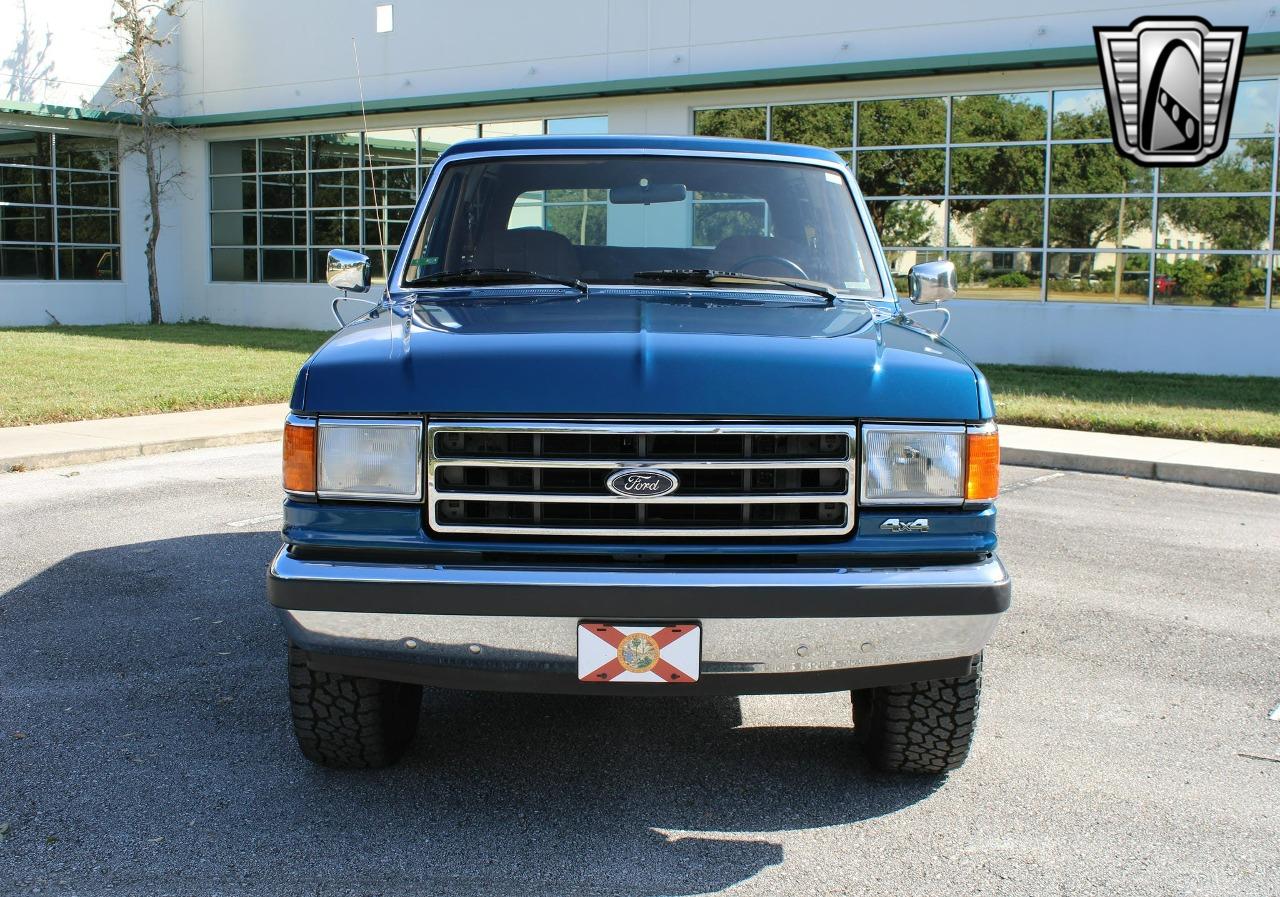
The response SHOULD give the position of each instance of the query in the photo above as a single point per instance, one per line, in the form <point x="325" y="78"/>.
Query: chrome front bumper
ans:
<point x="515" y="628"/>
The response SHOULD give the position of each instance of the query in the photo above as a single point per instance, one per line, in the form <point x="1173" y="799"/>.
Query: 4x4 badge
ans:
<point x="1170" y="84"/>
<point x="894" y="525"/>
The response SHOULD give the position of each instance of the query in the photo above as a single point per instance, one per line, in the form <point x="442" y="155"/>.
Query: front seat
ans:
<point x="731" y="252"/>
<point x="532" y="249"/>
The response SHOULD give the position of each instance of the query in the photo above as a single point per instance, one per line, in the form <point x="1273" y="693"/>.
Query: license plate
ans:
<point x="632" y="652"/>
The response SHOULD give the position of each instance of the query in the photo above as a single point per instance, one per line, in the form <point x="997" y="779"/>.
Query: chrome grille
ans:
<point x="548" y="478"/>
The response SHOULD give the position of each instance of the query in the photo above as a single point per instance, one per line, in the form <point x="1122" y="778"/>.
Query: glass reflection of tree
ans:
<point x="743" y="123"/>
<point x="1229" y="222"/>
<point x="902" y="172"/>
<point x="1001" y="170"/>
<point x="1090" y="168"/>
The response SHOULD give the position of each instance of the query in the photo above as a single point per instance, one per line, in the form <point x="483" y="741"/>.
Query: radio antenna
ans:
<point x="373" y="186"/>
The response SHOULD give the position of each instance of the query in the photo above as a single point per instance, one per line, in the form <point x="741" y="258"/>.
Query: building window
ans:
<point x="1026" y="194"/>
<point x="277" y="205"/>
<point x="59" y="207"/>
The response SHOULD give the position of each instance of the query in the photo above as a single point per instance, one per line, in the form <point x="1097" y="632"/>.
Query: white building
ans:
<point x="977" y="133"/>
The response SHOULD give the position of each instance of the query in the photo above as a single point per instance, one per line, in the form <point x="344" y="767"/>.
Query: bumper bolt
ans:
<point x="474" y="649"/>
<point x="866" y="647"/>
<point x="802" y="651"/>
<point x="410" y="643"/>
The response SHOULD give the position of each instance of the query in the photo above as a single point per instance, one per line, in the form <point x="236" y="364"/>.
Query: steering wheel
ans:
<point x="785" y="262"/>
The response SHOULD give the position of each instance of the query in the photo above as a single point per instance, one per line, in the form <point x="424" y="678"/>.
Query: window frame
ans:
<point x="363" y="209"/>
<point x="396" y="284"/>
<point x="56" y="211"/>
<point x="1269" y="252"/>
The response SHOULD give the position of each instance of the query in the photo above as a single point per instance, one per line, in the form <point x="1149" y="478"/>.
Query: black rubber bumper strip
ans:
<point x="567" y="683"/>
<point x="312" y="586"/>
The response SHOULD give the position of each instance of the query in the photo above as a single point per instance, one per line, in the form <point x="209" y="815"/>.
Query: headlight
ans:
<point x="380" y="460"/>
<point x="918" y="465"/>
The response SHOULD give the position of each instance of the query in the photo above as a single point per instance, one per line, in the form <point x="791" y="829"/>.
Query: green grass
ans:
<point x="75" y="373"/>
<point x="1244" y="410"/>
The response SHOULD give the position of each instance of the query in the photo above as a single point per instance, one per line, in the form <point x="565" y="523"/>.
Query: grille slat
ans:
<point x="780" y="498"/>
<point x="548" y="478"/>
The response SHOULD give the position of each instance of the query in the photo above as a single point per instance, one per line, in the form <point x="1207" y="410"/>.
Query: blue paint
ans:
<point x="639" y="144"/>
<point x="343" y="525"/>
<point x="625" y="352"/>
<point x="643" y="352"/>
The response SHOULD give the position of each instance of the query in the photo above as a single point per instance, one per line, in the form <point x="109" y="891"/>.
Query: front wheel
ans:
<point x="350" y="722"/>
<point x="921" y="727"/>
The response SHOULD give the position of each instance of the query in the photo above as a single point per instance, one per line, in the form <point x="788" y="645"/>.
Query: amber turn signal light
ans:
<point x="299" y="457"/>
<point x="983" y="480"/>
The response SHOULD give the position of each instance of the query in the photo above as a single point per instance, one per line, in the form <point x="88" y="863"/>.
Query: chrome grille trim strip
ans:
<point x="772" y="498"/>
<point x="598" y="464"/>
<point x="847" y="463"/>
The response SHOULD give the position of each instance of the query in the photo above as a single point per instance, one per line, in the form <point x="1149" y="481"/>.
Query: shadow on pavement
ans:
<point x="147" y="685"/>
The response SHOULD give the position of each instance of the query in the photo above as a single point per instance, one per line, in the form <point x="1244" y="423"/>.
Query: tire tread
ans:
<point x="922" y="727"/>
<point x="350" y="722"/>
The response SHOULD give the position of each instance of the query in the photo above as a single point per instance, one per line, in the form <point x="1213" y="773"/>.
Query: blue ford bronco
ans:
<point x="639" y="415"/>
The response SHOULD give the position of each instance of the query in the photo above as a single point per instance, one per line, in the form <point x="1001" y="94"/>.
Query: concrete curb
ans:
<point x="1170" y="460"/>
<point x="90" y="441"/>
<point x="1195" y="474"/>
<point x="70" y="458"/>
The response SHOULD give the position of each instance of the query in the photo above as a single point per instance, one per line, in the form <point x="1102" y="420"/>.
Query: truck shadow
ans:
<point x="152" y="675"/>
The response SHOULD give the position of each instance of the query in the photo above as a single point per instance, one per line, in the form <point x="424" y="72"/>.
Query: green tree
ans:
<point x="1192" y="277"/>
<point x="902" y="122"/>
<point x="903" y="223"/>
<point x="996" y="118"/>
<point x="1000" y="170"/>
<point x="746" y="122"/>
<point x="1093" y="168"/>
<point x="1006" y="222"/>
<point x="816" y="124"/>
<point x="1227" y="223"/>
<point x="579" y="215"/>
<point x="902" y="172"/>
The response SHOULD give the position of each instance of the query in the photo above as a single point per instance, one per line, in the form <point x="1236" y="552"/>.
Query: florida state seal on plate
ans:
<point x="629" y="652"/>
<point x="638" y="652"/>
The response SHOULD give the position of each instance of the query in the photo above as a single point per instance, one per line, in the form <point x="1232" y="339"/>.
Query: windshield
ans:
<point x="645" y="220"/>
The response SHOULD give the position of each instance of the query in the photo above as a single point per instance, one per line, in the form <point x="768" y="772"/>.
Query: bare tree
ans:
<point x="29" y="64"/>
<point x="139" y="87"/>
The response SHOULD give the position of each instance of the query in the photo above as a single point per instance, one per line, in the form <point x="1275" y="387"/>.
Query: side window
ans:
<point x="428" y="254"/>
<point x="579" y="215"/>
<point x="718" y="216"/>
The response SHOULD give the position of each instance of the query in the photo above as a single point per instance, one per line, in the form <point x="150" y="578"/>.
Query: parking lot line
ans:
<point x="1034" y="481"/>
<point x="250" y="521"/>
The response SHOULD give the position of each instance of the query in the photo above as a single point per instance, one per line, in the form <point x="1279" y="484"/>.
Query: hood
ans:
<point x="635" y="354"/>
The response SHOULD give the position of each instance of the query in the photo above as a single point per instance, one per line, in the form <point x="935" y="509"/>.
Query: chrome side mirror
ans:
<point x="348" y="271"/>
<point x="932" y="282"/>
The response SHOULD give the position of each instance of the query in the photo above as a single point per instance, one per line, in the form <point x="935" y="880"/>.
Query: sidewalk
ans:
<point x="1147" y="457"/>
<point x="86" y="441"/>
<point x="1174" y="460"/>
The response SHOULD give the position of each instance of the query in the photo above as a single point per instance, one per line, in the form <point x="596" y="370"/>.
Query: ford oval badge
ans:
<point x="647" y="483"/>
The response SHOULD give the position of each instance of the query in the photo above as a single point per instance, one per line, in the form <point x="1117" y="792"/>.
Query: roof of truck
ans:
<point x="640" y="143"/>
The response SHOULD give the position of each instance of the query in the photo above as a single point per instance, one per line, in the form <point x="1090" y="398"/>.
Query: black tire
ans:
<point x="924" y="728"/>
<point x="350" y="722"/>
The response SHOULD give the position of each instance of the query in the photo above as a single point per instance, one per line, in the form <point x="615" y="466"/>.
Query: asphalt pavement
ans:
<point x="1124" y="745"/>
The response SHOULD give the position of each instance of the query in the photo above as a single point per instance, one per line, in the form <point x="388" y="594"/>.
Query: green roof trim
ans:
<point x="72" y="113"/>
<point x="1006" y="60"/>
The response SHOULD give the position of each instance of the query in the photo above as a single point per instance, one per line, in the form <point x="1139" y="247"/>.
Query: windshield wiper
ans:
<point x="493" y="275"/>
<point x="709" y="277"/>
